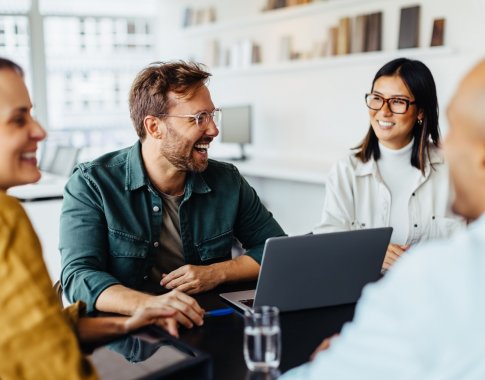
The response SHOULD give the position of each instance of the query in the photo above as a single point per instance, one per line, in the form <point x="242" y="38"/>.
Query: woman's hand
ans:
<point x="100" y="329"/>
<point x="161" y="317"/>
<point x="323" y="346"/>
<point x="394" y="252"/>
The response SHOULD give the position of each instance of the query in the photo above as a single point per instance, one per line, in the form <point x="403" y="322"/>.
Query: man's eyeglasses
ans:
<point x="203" y="118"/>
<point x="396" y="105"/>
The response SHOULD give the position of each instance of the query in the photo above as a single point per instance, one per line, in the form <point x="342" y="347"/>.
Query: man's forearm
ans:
<point x="241" y="268"/>
<point x="121" y="300"/>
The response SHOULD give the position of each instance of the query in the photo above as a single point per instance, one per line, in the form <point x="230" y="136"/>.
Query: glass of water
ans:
<point x="262" y="338"/>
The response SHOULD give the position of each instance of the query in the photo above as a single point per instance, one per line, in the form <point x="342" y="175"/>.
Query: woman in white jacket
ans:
<point x="397" y="176"/>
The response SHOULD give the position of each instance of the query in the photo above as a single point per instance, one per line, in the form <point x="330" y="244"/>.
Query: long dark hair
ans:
<point x="419" y="80"/>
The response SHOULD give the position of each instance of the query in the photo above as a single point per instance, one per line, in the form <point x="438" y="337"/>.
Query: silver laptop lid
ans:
<point x="302" y="272"/>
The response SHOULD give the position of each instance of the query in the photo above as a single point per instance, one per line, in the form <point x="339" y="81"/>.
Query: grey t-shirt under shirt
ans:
<point x="170" y="254"/>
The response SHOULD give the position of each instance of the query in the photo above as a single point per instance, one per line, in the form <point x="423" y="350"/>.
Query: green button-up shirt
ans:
<point x="112" y="215"/>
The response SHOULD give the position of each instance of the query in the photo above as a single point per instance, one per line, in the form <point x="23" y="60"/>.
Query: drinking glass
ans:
<point x="262" y="338"/>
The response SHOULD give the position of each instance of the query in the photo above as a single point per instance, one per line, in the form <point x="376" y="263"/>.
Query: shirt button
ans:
<point x="415" y="225"/>
<point x="156" y="208"/>
<point x="156" y="244"/>
<point x="145" y="277"/>
<point x="414" y="194"/>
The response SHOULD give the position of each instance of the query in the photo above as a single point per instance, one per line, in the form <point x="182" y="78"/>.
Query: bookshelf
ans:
<point x="278" y="15"/>
<point x="298" y="37"/>
<point x="337" y="61"/>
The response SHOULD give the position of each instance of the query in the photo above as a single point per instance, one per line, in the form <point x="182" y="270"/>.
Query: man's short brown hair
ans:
<point x="149" y="91"/>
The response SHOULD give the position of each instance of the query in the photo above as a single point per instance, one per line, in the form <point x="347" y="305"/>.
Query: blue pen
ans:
<point x="219" y="312"/>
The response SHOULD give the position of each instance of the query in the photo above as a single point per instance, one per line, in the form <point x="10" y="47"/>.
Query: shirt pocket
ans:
<point x="442" y="227"/>
<point x="127" y="259"/>
<point x="120" y="246"/>
<point x="215" y="249"/>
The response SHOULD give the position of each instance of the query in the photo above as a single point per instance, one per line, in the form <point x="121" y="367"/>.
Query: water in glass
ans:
<point x="262" y="339"/>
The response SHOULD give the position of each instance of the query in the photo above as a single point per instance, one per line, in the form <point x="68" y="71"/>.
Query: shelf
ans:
<point x="281" y="14"/>
<point x="335" y="61"/>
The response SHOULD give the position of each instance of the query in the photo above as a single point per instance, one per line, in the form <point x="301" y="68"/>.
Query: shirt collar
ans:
<point x="365" y="168"/>
<point x="370" y="167"/>
<point x="196" y="183"/>
<point x="137" y="177"/>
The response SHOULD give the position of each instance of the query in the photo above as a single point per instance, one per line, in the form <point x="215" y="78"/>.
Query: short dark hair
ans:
<point x="149" y="91"/>
<point x="10" y="65"/>
<point x="419" y="80"/>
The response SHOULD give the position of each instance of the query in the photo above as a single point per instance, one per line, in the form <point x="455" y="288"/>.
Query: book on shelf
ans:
<point x="240" y="54"/>
<point x="199" y="16"/>
<point x="256" y="54"/>
<point x="438" y="35"/>
<point x="285" y="48"/>
<point x="343" y="37"/>
<point x="409" y="27"/>
<point x="211" y="14"/>
<point x="212" y="53"/>
<point x="373" y="40"/>
<point x="332" y="41"/>
<point x="270" y="5"/>
<point x="187" y="18"/>
<point x="276" y="4"/>
<point x="357" y="42"/>
<point x="280" y="4"/>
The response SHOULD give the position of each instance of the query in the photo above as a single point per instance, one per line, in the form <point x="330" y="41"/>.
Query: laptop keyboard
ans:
<point x="249" y="302"/>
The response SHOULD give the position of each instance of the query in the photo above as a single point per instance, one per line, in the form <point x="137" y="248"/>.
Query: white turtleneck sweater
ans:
<point x="400" y="177"/>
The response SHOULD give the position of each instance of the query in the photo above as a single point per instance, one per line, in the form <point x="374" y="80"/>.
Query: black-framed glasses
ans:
<point x="396" y="105"/>
<point x="202" y="119"/>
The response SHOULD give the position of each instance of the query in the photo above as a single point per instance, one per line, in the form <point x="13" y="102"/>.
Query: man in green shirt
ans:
<point x="160" y="215"/>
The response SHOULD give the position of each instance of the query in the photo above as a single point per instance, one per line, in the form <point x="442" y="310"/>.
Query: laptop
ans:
<point x="310" y="271"/>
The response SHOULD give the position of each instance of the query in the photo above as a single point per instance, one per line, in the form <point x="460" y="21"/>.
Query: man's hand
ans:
<point x="192" y="279"/>
<point x="323" y="346"/>
<point x="187" y="309"/>
<point x="394" y="252"/>
<point x="152" y="316"/>
<point x="122" y="300"/>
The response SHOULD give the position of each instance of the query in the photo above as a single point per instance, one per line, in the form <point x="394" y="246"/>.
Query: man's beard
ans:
<point x="186" y="162"/>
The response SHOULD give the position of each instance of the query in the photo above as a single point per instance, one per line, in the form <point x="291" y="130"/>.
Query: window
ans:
<point x="92" y="51"/>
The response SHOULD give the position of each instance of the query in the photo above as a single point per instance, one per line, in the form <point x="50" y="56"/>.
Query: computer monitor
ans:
<point x="236" y="127"/>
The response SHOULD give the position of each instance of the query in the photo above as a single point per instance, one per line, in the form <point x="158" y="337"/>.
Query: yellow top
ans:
<point x="37" y="340"/>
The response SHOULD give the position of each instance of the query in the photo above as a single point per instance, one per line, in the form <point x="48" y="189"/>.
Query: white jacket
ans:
<point x="356" y="197"/>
